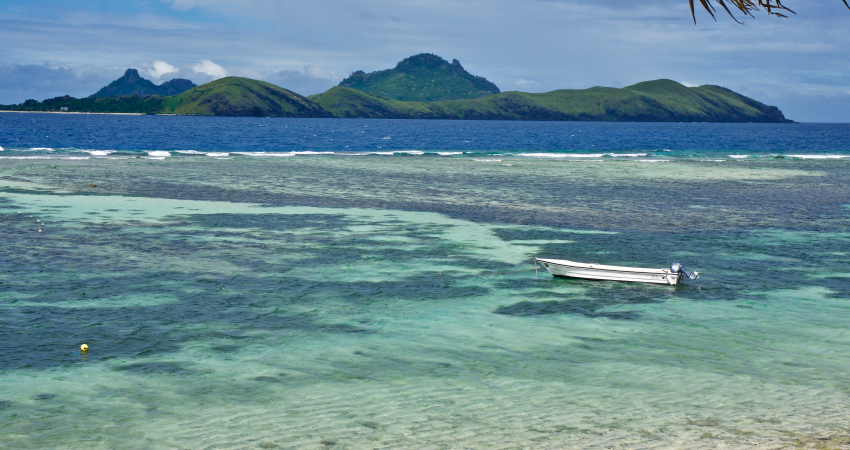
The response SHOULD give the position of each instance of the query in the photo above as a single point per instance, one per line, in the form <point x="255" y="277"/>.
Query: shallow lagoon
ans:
<point x="388" y="302"/>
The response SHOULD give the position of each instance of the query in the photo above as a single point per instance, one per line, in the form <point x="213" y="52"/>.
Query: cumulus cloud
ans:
<point x="160" y="68"/>
<point x="318" y="72"/>
<point x="305" y="81"/>
<point x="210" y="68"/>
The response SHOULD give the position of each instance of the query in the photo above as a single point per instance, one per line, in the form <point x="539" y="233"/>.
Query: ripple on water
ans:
<point x="396" y="303"/>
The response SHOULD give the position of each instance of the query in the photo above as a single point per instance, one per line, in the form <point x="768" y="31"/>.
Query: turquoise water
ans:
<point x="374" y="302"/>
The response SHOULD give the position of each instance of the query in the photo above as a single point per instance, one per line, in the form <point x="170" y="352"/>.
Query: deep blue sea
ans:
<point x="259" y="283"/>
<point x="216" y="134"/>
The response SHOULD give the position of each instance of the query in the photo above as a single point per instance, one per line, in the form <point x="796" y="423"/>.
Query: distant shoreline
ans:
<point x="79" y="112"/>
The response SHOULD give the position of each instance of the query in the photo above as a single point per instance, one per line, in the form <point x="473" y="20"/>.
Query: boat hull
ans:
<point x="572" y="269"/>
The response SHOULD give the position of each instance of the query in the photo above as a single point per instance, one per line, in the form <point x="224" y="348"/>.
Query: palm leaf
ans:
<point x="772" y="7"/>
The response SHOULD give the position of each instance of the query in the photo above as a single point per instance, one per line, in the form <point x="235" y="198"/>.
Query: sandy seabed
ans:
<point x="368" y="302"/>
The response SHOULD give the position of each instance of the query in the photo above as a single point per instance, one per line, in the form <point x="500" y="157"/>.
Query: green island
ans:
<point x="423" y="86"/>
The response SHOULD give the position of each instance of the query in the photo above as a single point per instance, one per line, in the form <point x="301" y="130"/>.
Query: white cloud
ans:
<point x="686" y="84"/>
<point x="160" y="68"/>
<point x="525" y="83"/>
<point x="210" y="68"/>
<point x="307" y="80"/>
<point x="318" y="72"/>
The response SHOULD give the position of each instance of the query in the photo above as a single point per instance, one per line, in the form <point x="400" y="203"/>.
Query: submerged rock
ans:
<point x="269" y="379"/>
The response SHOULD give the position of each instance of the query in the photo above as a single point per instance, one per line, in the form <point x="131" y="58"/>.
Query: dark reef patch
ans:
<point x="155" y="367"/>
<point x="587" y="309"/>
<point x="266" y="379"/>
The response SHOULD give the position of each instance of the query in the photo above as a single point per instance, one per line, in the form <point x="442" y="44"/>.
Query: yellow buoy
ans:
<point x="84" y="348"/>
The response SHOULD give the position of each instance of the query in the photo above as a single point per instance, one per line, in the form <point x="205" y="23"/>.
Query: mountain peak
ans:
<point x="422" y="77"/>
<point x="131" y="76"/>
<point x="132" y="83"/>
<point x="422" y="60"/>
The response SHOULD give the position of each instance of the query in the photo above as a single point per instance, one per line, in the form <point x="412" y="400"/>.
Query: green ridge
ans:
<point x="652" y="101"/>
<point x="235" y="96"/>
<point x="423" y="77"/>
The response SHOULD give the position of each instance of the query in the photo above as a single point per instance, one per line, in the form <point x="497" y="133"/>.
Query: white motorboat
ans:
<point x="572" y="269"/>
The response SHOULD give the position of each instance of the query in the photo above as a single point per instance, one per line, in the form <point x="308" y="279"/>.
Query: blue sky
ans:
<point x="800" y="64"/>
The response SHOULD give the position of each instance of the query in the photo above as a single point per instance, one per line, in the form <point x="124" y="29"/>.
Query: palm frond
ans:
<point x="746" y="7"/>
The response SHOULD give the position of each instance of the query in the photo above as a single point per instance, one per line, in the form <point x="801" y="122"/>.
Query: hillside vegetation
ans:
<point x="652" y="101"/>
<point x="424" y="77"/>
<point x="235" y="96"/>
<point x="126" y="104"/>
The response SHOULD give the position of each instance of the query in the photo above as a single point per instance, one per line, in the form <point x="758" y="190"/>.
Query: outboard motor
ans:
<point x="680" y="269"/>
